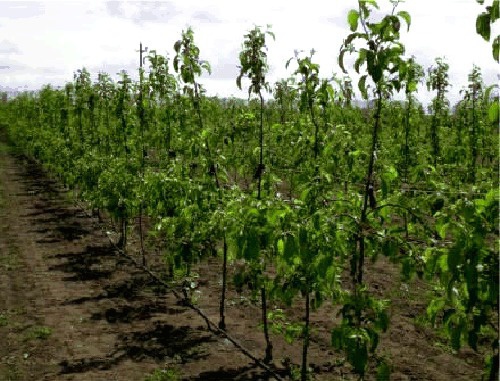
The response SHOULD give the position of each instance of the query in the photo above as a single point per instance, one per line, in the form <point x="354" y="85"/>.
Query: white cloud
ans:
<point x="66" y="36"/>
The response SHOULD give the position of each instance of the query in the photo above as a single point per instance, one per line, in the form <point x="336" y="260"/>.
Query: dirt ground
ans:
<point x="71" y="308"/>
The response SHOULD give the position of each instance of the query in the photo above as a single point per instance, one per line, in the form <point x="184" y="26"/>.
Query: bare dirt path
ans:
<point x="53" y="264"/>
<point x="72" y="309"/>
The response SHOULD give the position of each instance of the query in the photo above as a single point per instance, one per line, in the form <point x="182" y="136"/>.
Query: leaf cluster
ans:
<point x="253" y="59"/>
<point x="382" y="55"/>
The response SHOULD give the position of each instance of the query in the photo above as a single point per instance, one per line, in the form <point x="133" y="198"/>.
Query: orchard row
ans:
<point x="304" y="188"/>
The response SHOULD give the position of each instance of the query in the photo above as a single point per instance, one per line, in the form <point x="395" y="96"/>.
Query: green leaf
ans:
<point x="374" y="338"/>
<point x="362" y="87"/>
<point x="443" y="263"/>
<point x="483" y="26"/>
<point x="206" y="65"/>
<point x="495" y="47"/>
<point x="352" y="19"/>
<point x="435" y="306"/>
<point x="341" y="60"/>
<point x="384" y="187"/>
<point x="495" y="11"/>
<point x="280" y="247"/>
<point x="357" y="354"/>
<point x="352" y="36"/>
<point x="177" y="46"/>
<point x="387" y="178"/>
<point x="406" y="16"/>
<point x="338" y="338"/>
<point x="372" y="2"/>
<point x="493" y="113"/>
<point x="383" y="372"/>
<point x="290" y="247"/>
<point x="412" y="86"/>
<point x="290" y="334"/>
<point x="377" y="73"/>
<point x="382" y="321"/>
<point x="441" y="229"/>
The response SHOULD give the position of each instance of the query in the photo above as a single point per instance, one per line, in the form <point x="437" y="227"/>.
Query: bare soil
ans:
<point x="72" y="308"/>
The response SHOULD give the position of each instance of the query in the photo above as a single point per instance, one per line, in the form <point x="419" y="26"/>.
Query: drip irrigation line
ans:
<point x="211" y="325"/>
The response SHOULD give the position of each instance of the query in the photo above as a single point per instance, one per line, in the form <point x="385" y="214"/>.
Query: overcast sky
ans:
<point x="46" y="42"/>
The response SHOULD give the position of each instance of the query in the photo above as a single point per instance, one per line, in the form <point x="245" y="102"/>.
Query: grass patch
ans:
<point x="39" y="333"/>
<point x="170" y="374"/>
<point x="3" y="320"/>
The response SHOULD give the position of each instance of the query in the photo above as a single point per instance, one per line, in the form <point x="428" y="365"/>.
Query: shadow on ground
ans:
<point x="159" y="343"/>
<point x="86" y="265"/>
